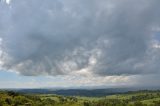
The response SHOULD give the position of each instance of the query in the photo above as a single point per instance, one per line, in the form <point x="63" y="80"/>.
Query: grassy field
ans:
<point x="139" y="98"/>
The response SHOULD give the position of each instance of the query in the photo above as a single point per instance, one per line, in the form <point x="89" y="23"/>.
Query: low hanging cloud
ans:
<point x="106" y="37"/>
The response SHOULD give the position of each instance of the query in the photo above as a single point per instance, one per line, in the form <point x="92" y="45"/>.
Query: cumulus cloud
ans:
<point x="106" y="37"/>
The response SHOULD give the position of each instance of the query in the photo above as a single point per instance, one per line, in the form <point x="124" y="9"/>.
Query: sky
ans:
<point x="79" y="43"/>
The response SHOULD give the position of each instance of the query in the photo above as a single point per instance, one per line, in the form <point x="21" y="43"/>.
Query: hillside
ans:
<point x="139" y="98"/>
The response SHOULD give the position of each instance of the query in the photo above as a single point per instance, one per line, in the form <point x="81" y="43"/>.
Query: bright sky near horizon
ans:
<point x="79" y="43"/>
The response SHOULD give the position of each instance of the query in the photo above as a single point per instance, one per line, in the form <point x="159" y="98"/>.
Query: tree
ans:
<point x="8" y="101"/>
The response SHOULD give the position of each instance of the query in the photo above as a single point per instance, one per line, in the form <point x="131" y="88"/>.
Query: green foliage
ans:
<point x="142" y="98"/>
<point x="138" y="103"/>
<point x="156" y="103"/>
<point x="1" y="102"/>
<point x="8" y="101"/>
<point x="11" y="93"/>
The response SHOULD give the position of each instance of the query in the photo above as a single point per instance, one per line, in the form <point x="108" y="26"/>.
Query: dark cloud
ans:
<point x="106" y="37"/>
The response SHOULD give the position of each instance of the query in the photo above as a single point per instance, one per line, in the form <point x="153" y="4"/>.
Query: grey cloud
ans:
<point x="61" y="37"/>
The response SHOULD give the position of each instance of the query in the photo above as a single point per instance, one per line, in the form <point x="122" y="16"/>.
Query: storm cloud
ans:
<point x="100" y="37"/>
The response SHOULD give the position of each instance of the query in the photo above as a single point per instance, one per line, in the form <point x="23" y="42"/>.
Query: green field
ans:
<point x="139" y="98"/>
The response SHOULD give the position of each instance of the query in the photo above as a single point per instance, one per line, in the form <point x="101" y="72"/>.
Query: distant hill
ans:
<point x="77" y="92"/>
